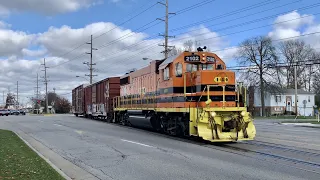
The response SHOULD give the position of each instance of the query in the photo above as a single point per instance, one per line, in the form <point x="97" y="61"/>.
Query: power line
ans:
<point x="232" y="13"/>
<point x="178" y="39"/>
<point x="249" y="15"/>
<point x="229" y="34"/>
<point x="126" y="35"/>
<point x="77" y="47"/>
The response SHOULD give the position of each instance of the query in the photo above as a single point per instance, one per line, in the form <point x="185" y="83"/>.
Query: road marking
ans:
<point x="79" y="132"/>
<point x="57" y="125"/>
<point x="137" y="143"/>
<point x="41" y="121"/>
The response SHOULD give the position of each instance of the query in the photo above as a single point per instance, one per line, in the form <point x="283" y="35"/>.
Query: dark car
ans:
<point x="14" y="112"/>
<point x="21" y="111"/>
<point x="4" y="112"/>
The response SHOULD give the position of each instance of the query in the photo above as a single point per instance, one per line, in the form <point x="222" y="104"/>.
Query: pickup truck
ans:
<point x="4" y="112"/>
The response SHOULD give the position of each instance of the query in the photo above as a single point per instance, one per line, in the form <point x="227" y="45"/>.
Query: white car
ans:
<point x="4" y="112"/>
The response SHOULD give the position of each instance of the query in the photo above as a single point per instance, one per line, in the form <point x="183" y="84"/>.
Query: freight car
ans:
<point x="78" y="101"/>
<point x="96" y="100"/>
<point x="190" y="94"/>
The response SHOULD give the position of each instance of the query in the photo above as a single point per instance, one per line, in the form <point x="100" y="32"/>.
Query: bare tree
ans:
<point x="316" y="85"/>
<point x="260" y="53"/>
<point x="188" y="45"/>
<point x="296" y="51"/>
<point x="175" y="51"/>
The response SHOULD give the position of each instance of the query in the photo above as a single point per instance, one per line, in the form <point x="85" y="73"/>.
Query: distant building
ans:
<point x="281" y="102"/>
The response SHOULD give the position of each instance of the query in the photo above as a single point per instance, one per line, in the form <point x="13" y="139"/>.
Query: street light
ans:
<point x="82" y="77"/>
<point x="145" y="59"/>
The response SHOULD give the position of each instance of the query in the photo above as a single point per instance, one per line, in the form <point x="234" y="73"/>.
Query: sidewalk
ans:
<point x="310" y="125"/>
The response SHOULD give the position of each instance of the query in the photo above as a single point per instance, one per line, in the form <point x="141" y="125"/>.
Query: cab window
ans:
<point x="166" y="73"/>
<point x="191" y="67"/>
<point x="206" y="67"/>
<point x="178" y="70"/>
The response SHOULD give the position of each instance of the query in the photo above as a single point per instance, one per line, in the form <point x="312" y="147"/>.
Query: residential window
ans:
<point x="308" y="98"/>
<point x="278" y="98"/>
<point x="178" y="70"/>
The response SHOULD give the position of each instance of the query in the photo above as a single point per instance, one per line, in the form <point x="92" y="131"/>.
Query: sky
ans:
<point x="125" y="31"/>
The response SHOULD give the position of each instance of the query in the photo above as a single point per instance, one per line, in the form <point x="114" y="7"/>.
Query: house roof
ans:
<point x="300" y="91"/>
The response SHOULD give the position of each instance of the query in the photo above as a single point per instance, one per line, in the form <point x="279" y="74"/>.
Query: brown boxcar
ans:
<point x="78" y="101"/>
<point x="99" y="98"/>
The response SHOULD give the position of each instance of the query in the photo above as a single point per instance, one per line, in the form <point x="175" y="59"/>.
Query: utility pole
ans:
<point x="37" y="105"/>
<point x="17" y="100"/>
<point x="37" y="95"/>
<point x="46" y="83"/>
<point x="166" y="35"/>
<point x="90" y="64"/>
<point x="296" y="90"/>
<point x="4" y="101"/>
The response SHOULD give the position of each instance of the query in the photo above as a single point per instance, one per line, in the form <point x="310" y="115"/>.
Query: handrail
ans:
<point x="223" y="92"/>
<point x="245" y="97"/>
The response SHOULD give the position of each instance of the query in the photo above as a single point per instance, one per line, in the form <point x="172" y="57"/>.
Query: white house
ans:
<point x="282" y="102"/>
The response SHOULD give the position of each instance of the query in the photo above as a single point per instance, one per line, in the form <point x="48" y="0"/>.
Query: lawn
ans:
<point x="18" y="161"/>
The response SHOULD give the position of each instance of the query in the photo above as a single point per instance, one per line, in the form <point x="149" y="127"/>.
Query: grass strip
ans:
<point x="19" y="161"/>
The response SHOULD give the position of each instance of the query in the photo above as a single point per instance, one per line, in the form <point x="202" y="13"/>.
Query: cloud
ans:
<point x="118" y="51"/>
<point x="47" y="7"/>
<point x="294" y="20"/>
<point x="13" y="42"/>
<point x="290" y="25"/>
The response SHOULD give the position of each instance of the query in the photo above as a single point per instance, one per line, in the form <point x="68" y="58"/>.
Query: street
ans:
<point x="109" y="151"/>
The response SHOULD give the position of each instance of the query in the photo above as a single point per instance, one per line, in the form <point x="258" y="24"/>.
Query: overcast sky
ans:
<point x="59" y="29"/>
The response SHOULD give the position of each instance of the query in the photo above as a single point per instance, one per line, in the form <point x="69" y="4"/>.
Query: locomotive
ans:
<point x="189" y="94"/>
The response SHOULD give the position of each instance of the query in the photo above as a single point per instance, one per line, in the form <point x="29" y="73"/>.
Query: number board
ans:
<point x="193" y="58"/>
<point x="210" y="59"/>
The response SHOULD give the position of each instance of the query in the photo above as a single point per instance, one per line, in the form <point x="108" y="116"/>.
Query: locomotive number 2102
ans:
<point x="192" y="58"/>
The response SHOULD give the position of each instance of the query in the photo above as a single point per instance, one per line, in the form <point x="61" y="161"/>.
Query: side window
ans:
<point x="178" y="70"/>
<point x="220" y="67"/>
<point x="166" y="73"/>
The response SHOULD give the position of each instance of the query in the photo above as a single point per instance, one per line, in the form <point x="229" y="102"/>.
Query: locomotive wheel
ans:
<point x="155" y="123"/>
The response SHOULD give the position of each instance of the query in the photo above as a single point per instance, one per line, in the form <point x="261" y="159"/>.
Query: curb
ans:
<point x="47" y="160"/>
<point x="311" y="126"/>
<point x="302" y="125"/>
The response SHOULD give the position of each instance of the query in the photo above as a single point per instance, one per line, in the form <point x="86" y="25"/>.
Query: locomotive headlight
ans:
<point x="213" y="114"/>
<point x="243" y="113"/>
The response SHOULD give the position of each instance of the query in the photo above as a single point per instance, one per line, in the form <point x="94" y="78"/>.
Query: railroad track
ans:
<point x="303" y="159"/>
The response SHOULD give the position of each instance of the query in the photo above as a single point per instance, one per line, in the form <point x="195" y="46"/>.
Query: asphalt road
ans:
<point x="110" y="151"/>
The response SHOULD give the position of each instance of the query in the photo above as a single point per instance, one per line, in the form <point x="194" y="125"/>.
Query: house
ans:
<point x="281" y="101"/>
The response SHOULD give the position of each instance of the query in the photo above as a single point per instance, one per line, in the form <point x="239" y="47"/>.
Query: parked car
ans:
<point x="4" y="112"/>
<point x="22" y="111"/>
<point x="14" y="112"/>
